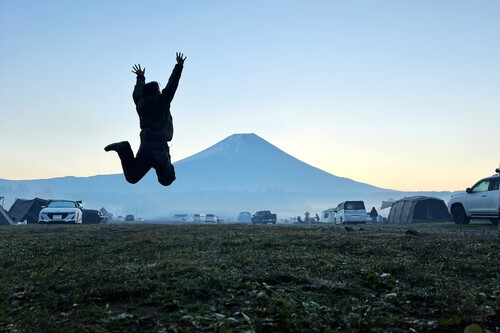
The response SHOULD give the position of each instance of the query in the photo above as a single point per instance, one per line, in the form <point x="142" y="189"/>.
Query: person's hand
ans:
<point x="137" y="70"/>
<point x="180" y="58"/>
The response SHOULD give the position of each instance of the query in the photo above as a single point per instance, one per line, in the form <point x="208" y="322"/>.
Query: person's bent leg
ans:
<point x="165" y="171"/>
<point x="136" y="168"/>
<point x="133" y="168"/>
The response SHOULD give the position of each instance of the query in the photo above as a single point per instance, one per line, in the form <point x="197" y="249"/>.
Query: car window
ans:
<point x="482" y="186"/>
<point x="354" y="205"/>
<point x="495" y="184"/>
<point x="61" y="204"/>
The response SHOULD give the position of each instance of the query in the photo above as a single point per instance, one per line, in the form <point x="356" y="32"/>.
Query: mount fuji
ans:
<point x="246" y="162"/>
<point x="243" y="172"/>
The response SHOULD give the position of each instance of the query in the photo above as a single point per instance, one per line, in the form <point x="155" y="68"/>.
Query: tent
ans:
<point x="327" y="216"/>
<point x="245" y="217"/>
<point x="106" y="213"/>
<point x="418" y="209"/>
<point x="4" y="217"/>
<point x="27" y="210"/>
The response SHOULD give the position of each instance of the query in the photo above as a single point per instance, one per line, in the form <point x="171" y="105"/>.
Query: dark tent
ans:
<point x="107" y="214"/>
<point x="4" y="217"/>
<point x="418" y="209"/>
<point x="27" y="210"/>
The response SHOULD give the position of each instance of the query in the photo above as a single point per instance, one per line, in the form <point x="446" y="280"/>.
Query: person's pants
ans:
<point x="150" y="155"/>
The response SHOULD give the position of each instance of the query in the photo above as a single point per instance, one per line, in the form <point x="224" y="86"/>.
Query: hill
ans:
<point x="243" y="172"/>
<point x="246" y="162"/>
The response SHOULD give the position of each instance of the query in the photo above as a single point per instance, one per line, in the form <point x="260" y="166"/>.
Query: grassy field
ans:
<point x="244" y="278"/>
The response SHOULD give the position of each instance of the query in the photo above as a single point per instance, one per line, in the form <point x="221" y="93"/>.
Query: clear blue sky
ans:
<point x="397" y="94"/>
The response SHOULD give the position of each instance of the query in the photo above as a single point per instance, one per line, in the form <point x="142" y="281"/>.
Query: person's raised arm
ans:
<point x="141" y="80"/>
<point x="169" y="90"/>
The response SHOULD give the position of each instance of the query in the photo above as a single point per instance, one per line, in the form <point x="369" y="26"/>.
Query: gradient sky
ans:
<point x="398" y="94"/>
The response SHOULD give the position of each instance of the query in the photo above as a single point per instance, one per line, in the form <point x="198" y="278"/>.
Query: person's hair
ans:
<point x="151" y="89"/>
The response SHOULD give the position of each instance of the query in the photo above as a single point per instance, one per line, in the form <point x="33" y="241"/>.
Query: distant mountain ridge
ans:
<point x="241" y="172"/>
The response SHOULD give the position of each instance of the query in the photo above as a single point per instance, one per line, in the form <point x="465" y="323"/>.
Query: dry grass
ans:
<point x="225" y="278"/>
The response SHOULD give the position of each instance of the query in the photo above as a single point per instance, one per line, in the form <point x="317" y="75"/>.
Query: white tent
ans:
<point x="327" y="216"/>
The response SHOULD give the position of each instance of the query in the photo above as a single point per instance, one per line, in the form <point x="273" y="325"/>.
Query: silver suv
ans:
<point x="481" y="201"/>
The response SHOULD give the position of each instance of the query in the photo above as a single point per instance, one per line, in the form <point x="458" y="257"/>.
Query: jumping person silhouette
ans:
<point x="156" y="125"/>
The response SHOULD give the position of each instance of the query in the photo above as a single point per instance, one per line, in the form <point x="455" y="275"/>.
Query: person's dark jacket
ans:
<point x="154" y="111"/>
<point x="373" y="212"/>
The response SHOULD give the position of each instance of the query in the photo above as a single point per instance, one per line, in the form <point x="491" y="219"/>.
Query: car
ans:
<point x="350" y="212"/>
<point x="480" y="202"/>
<point x="92" y="216"/>
<point x="61" y="212"/>
<point x="130" y="218"/>
<point x="264" y="217"/>
<point x="211" y="218"/>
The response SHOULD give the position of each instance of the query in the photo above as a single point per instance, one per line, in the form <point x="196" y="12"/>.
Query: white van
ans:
<point x="350" y="212"/>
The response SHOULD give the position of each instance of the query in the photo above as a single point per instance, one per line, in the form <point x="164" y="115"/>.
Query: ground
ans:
<point x="246" y="278"/>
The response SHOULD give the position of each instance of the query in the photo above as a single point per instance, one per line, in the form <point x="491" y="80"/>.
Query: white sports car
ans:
<point x="61" y="211"/>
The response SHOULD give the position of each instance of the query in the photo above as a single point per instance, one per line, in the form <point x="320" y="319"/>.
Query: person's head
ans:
<point x="151" y="89"/>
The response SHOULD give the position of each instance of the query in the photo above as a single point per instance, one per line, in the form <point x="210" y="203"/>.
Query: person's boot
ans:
<point x="117" y="146"/>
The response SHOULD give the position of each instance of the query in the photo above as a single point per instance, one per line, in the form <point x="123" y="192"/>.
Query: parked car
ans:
<point x="481" y="201"/>
<point x="350" y="212"/>
<point x="92" y="216"/>
<point x="129" y="218"/>
<point x="61" y="211"/>
<point x="264" y="217"/>
<point x="211" y="218"/>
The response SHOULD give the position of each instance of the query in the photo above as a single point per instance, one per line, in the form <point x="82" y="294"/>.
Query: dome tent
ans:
<point x="418" y="209"/>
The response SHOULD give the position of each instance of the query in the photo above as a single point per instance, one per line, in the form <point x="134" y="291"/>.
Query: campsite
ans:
<point x="406" y="210"/>
<point x="26" y="211"/>
<point x="252" y="278"/>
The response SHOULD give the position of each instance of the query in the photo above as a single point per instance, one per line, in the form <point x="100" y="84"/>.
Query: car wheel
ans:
<point x="459" y="216"/>
<point x="494" y="221"/>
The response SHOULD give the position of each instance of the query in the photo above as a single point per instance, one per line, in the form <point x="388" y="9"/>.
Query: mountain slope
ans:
<point x="246" y="162"/>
